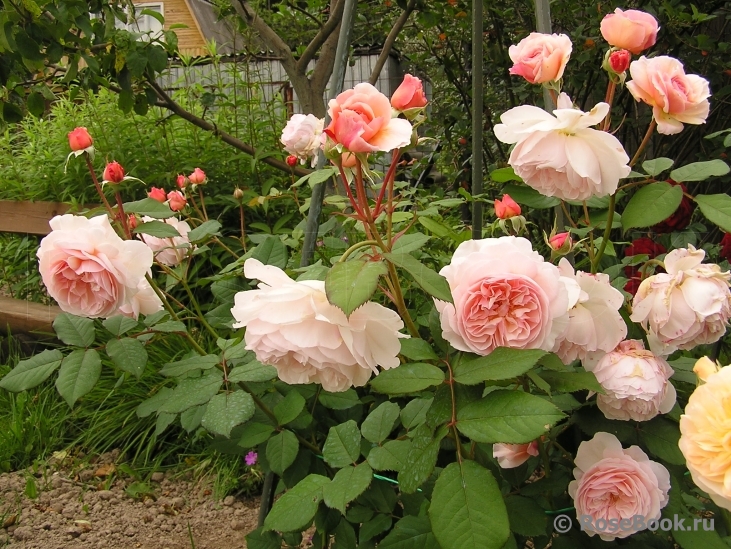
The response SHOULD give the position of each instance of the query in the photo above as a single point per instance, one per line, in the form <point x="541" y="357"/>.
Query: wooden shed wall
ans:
<point x="190" y="40"/>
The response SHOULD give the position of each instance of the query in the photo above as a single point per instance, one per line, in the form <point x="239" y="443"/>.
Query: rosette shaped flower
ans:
<point x="594" y="321"/>
<point x="614" y="483"/>
<point x="292" y="326"/>
<point x="509" y="456"/>
<point x="635" y="382"/>
<point x="90" y="271"/>
<point x="301" y="137"/>
<point x="676" y="98"/>
<point x="704" y="435"/>
<point x="169" y="251"/>
<point x="540" y="58"/>
<point x="505" y="295"/>
<point x="362" y="123"/>
<point x="562" y="155"/>
<point x="688" y="305"/>
<point x="632" y="30"/>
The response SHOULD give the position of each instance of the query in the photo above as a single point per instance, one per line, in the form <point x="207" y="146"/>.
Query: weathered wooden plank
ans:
<point x="26" y="316"/>
<point x="28" y="217"/>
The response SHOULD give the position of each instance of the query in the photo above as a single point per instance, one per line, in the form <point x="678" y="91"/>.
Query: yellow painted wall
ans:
<point x="190" y="40"/>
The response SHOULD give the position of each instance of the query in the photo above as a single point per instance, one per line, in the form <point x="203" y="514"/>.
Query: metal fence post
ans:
<point x="477" y="123"/>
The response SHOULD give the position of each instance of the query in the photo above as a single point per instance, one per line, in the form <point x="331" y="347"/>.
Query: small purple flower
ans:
<point x="251" y="458"/>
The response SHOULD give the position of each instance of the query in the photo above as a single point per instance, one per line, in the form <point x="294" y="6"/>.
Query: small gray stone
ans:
<point x="238" y="525"/>
<point x="157" y="477"/>
<point x="23" y="533"/>
<point x="129" y="532"/>
<point x="177" y="503"/>
<point x="57" y="507"/>
<point x="74" y="531"/>
<point x="86" y="475"/>
<point x="105" y="495"/>
<point x="229" y="500"/>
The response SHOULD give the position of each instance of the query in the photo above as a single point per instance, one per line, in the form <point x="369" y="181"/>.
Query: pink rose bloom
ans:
<point x="635" y="382"/>
<point x="90" y="271"/>
<point x="676" y="98"/>
<point x="686" y="306"/>
<point x="594" y="320"/>
<point x="292" y="326"/>
<point x="176" y="200"/>
<point x="540" y="57"/>
<point x="157" y="193"/>
<point x="614" y="483"/>
<point x="505" y="295"/>
<point x="79" y="139"/>
<point x="631" y="30"/>
<point x="361" y="121"/>
<point x="301" y="137"/>
<point x="704" y="434"/>
<point x="169" y="251"/>
<point x="409" y="95"/>
<point x="510" y="456"/>
<point x="198" y="177"/>
<point x="562" y="155"/>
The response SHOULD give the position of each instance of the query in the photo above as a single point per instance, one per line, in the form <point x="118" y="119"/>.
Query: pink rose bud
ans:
<point x="198" y="177"/>
<point x="619" y="60"/>
<point x="506" y="208"/>
<point x="113" y="173"/>
<point x="181" y="181"/>
<point x="557" y="241"/>
<point x="157" y="193"/>
<point x="631" y="30"/>
<point x="291" y="161"/>
<point x="79" y="139"/>
<point x="238" y="193"/>
<point x="132" y="221"/>
<point x="176" y="200"/>
<point x="409" y="95"/>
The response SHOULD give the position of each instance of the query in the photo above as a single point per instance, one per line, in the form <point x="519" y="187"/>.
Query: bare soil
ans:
<point x="91" y="508"/>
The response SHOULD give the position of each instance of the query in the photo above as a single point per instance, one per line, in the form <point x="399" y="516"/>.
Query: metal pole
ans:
<point x="336" y="86"/>
<point x="477" y="124"/>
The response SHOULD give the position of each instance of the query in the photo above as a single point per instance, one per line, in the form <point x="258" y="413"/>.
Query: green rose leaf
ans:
<point x="379" y="423"/>
<point x="661" y="437"/>
<point x="150" y="208"/>
<point x="119" y="324"/>
<point x="296" y="508"/>
<point x="74" y="330"/>
<point x="568" y="382"/>
<point x="350" y="284"/>
<point x="254" y="434"/>
<point x="34" y="371"/>
<point x="527" y="196"/>
<point x="339" y="401"/>
<point x="527" y="518"/>
<point x="700" y="171"/>
<point x="253" y="371"/>
<point x="502" y="363"/>
<point x="716" y="208"/>
<point x="389" y="457"/>
<point x="657" y="165"/>
<point x="342" y="446"/>
<point x="410" y="533"/>
<point x="159" y="229"/>
<point x="348" y="483"/>
<point x="79" y="373"/>
<point x="420" y="460"/>
<point x="193" y="392"/>
<point x="204" y="231"/>
<point x="652" y="204"/>
<point x="128" y="354"/>
<point x="271" y="252"/>
<point x="282" y="450"/>
<point x="227" y="410"/>
<point x="289" y="407"/>
<point x="185" y="366"/>
<point x="417" y="349"/>
<point x="407" y="378"/>
<point x="430" y="281"/>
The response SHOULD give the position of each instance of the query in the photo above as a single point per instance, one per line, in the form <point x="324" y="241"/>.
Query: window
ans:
<point x="144" y="22"/>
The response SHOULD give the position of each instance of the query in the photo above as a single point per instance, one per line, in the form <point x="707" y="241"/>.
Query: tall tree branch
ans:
<point x="390" y="39"/>
<point x="323" y="69"/>
<point x="325" y="32"/>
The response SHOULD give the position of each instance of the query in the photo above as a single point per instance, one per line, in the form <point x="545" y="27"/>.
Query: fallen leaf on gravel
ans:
<point x="9" y="521"/>
<point x="105" y="470"/>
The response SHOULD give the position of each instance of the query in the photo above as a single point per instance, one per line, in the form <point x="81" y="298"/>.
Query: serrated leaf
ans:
<point x="417" y="349"/>
<point x="407" y="378"/>
<point x="253" y="371"/>
<point x="342" y="446"/>
<point x="289" y="407"/>
<point x="410" y="243"/>
<point x="182" y="367"/>
<point x="281" y="451"/>
<point x="74" y="330"/>
<point x="227" y="410"/>
<point x="380" y="422"/>
<point x="661" y="437"/>
<point x="348" y="483"/>
<point x="169" y="326"/>
<point x="159" y="229"/>
<point x="79" y="373"/>
<point x="420" y="461"/>
<point x="204" y="231"/>
<point x="716" y="208"/>
<point x="350" y="284"/>
<point x="339" y="401"/>
<point x="33" y="371"/>
<point x="259" y="539"/>
<point x="193" y="392"/>
<point x="568" y="382"/>
<point x="527" y="518"/>
<point x="507" y="416"/>
<point x="657" y="165"/>
<point x="368" y="530"/>
<point x="254" y="434"/>
<point x="191" y="418"/>
<point x="414" y="413"/>
<point x="118" y="325"/>
<point x="410" y="533"/>
<point x="128" y="354"/>
<point x="467" y="509"/>
<point x="527" y="196"/>
<point x="389" y="457"/>
<point x="700" y="171"/>
<point x="429" y="280"/>
<point x="652" y="204"/>
<point x="297" y="507"/>
<point x="150" y="208"/>
<point x="271" y="252"/>
<point x="163" y="422"/>
<point x="502" y="363"/>
<point x="503" y="175"/>
<point x="224" y="290"/>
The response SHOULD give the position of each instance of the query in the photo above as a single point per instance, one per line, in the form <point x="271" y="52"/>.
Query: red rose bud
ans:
<point x="113" y="173"/>
<point x="558" y="241"/>
<point x="506" y="208"/>
<point x="680" y="218"/>
<point x="176" y="201"/>
<point x="181" y="181"/>
<point x="157" y="193"/>
<point x="640" y="246"/>
<point x="198" y="177"/>
<point x="725" y="252"/>
<point x="291" y="161"/>
<point x="619" y="60"/>
<point x="132" y="221"/>
<point x="79" y="139"/>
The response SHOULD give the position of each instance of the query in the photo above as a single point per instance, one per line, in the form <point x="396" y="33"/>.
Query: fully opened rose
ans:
<point x="561" y="154"/>
<point x="90" y="271"/>
<point x="301" y="137"/>
<point x="505" y="295"/>
<point x="540" y="58"/>
<point x="362" y="121"/>
<point x="632" y="30"/>
<point x="614" y="483"/>
<point x="292" y="326"/>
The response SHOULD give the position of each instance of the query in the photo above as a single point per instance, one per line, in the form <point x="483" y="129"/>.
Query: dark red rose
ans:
<point x="725" y="252"/>
<point x="681" y="218"/>
<point x="632" y="285"/>
<point x="640" y="246"/>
